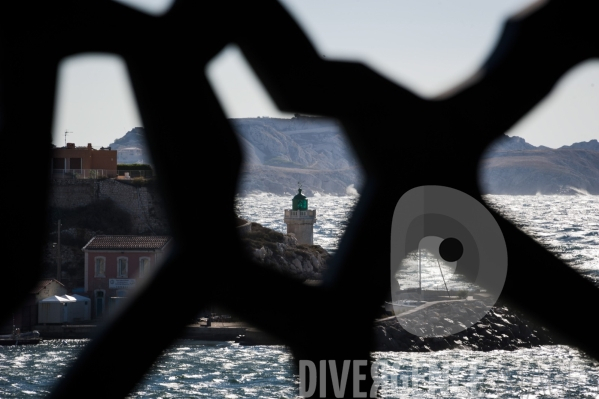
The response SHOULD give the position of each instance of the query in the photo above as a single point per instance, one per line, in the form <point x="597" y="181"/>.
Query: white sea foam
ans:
<point x="351" y="190"/>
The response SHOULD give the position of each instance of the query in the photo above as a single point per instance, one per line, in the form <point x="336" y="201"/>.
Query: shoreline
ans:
<point x="500" y="329"/>
<point x="218" y="331"/>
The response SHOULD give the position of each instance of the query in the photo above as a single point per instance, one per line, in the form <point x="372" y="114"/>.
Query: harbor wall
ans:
<point x="142" y="202"/>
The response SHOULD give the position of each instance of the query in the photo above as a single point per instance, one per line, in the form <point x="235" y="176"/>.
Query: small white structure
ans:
<point x="80" y="310"/>
<point x="54" y="309"/>
<point x="59" y="309"/>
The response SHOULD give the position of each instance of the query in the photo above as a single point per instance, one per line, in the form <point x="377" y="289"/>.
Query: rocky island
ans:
<point x="501" y="328"/>
<point x="281" y="252"/>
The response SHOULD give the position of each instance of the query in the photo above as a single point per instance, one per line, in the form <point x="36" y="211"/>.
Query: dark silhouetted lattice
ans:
<point x="403" y="141"/>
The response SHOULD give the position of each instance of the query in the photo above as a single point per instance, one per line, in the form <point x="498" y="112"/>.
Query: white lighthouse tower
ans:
<point x="300" y="220"/>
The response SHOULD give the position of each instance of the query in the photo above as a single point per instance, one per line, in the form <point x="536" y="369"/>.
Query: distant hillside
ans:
<point x="510" y="143"/>
<point x="592" y="145"/>
<point x="280" y="152"/>
<point x="134" y="138"/>
<point x="512" y="166"/>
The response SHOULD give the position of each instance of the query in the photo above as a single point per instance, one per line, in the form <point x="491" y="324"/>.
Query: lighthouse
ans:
<point x="300" y="220"/>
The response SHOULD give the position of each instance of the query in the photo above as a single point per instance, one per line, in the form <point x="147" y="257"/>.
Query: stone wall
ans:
<point x="141" y="202"/>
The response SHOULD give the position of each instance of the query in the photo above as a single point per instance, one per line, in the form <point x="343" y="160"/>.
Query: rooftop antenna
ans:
<point x="65" y="137"/>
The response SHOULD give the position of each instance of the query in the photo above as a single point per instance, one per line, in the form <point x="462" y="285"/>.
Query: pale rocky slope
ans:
<point x="313" y="150"/>
<point x="514" y="167"/>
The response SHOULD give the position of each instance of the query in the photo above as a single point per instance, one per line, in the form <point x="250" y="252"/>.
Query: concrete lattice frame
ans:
<point x="384" y="122"/>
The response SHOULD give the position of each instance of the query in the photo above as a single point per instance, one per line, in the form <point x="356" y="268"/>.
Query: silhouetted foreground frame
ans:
<point x="391" y="129"/>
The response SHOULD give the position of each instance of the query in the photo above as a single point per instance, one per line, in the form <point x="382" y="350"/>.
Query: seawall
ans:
<point x="195" y="332"/>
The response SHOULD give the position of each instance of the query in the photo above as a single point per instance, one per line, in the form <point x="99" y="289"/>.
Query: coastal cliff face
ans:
<point x="282" y="253"/>
<point x="280" y="152"/>
<point x="513" y="167"/>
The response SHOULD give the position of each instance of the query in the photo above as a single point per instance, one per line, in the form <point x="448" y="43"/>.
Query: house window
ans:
<point x="121" y="293"/>
<point x="122" y="269"/>
<point x="144" y="266"/>
<point x="100" y="267"/>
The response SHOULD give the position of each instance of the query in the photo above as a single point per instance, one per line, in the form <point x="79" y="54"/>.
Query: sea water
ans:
<point x="568" y="226"/>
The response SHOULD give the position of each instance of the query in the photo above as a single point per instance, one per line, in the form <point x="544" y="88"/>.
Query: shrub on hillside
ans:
<point x="259" y="233"/>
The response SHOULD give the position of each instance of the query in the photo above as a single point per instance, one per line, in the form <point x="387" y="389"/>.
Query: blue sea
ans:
<point x="569" y="226"/>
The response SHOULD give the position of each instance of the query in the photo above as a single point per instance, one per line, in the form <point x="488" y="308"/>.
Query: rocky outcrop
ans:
<point x="282" y="253"/>
<point x="501" y="328"/>
<point x="591" y="145"/>
<point x="510" y="143"/>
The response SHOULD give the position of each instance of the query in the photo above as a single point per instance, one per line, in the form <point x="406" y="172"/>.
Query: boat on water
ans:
<point x="19" y="338"/>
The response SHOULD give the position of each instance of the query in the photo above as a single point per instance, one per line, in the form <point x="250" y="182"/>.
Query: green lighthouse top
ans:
<point x="299" y="202"/>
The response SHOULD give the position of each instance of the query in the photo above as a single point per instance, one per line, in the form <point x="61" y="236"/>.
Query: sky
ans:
<point x="426" y="46"/>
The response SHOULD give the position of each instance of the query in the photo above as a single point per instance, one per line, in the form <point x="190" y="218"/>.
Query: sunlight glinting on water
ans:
<point x="332" y="213"/>
<point x="567" y="225"/>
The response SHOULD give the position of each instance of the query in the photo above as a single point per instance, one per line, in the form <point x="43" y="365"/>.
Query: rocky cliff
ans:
<point x="513" y="167"/>
<point x="280" y="152"/>
<point x="592" y="145"/>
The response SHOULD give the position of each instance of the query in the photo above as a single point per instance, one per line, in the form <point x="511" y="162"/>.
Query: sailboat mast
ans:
<point x="419" y="274"/>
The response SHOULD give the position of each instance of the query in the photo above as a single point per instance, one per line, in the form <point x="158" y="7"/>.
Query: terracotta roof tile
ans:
<point x="127" y="242"/>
